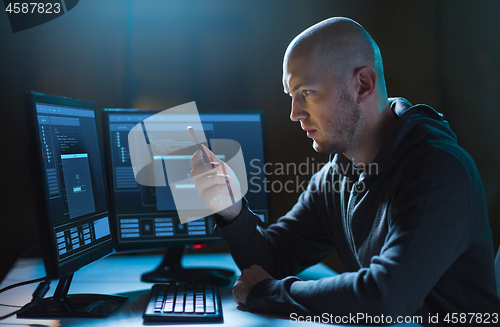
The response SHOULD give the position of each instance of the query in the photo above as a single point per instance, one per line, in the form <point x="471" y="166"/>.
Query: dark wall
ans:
<point x="227" y="55"/>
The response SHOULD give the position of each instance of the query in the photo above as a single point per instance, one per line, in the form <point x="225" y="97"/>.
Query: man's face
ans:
<point x="321" y="104"/>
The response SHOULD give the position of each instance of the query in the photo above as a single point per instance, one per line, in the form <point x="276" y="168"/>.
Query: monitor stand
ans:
<point x="171" y="270"/>
<point x="62" y="305"/>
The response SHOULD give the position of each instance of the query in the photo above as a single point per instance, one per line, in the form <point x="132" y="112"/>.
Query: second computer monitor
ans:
<point x="145" y="217"/>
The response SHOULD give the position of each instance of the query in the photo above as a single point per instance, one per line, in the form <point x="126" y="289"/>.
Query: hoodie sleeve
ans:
<point x="296" y="241"/>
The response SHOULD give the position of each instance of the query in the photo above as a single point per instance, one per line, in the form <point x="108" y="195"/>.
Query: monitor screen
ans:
<point x="145" y="217"/>
<point x="73" y="218"/>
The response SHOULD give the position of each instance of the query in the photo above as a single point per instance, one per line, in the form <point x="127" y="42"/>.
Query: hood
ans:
<point x="415" y="125"/>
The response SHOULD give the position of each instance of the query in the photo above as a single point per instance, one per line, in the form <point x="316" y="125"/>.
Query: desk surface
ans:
<point x="120" y="275"/>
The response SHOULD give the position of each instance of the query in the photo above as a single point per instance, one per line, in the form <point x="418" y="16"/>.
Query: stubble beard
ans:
<point x="341" y="129"/>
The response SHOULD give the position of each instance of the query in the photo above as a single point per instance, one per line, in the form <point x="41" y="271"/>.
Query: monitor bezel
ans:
<point x="53" y="267"/>
<point x="143" y="245"/>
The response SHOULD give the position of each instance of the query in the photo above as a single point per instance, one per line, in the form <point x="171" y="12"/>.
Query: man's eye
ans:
<point x="306" y="92"/>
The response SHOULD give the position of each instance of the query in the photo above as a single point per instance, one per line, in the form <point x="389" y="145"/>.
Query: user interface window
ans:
<point x="147" y="214"/>
<point x="72" y="163"/>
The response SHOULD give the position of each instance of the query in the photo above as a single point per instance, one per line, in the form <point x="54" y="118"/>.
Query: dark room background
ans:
<point x="227" y="56"/>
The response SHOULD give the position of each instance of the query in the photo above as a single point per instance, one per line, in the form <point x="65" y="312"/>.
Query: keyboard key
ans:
<point x="169" y="307"/>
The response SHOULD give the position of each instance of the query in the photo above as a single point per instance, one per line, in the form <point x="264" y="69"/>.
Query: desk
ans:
<point x="120" y="275"/>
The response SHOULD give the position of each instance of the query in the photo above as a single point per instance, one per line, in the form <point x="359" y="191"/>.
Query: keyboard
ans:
<point x="181" y="302"/>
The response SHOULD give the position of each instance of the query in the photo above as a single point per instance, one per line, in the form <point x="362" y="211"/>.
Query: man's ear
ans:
<point x="366" y="80"/>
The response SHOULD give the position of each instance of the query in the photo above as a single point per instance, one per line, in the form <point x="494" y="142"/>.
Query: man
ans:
<point x="413" y="233"/>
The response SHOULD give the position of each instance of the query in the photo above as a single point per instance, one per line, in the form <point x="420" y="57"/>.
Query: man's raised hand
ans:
<point x="211" y="181"/>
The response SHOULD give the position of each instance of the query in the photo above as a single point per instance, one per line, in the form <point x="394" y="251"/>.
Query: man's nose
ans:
<point x="298" y="112"/>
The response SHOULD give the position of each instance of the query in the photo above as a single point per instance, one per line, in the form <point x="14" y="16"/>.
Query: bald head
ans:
<point x="340" y="45"/>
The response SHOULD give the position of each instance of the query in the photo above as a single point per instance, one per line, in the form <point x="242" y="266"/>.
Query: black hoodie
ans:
<point x="411" y="229"/>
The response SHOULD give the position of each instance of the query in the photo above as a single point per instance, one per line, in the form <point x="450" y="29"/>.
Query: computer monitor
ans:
<point x="145" y="217"/>
<point x="71" y="200"/>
